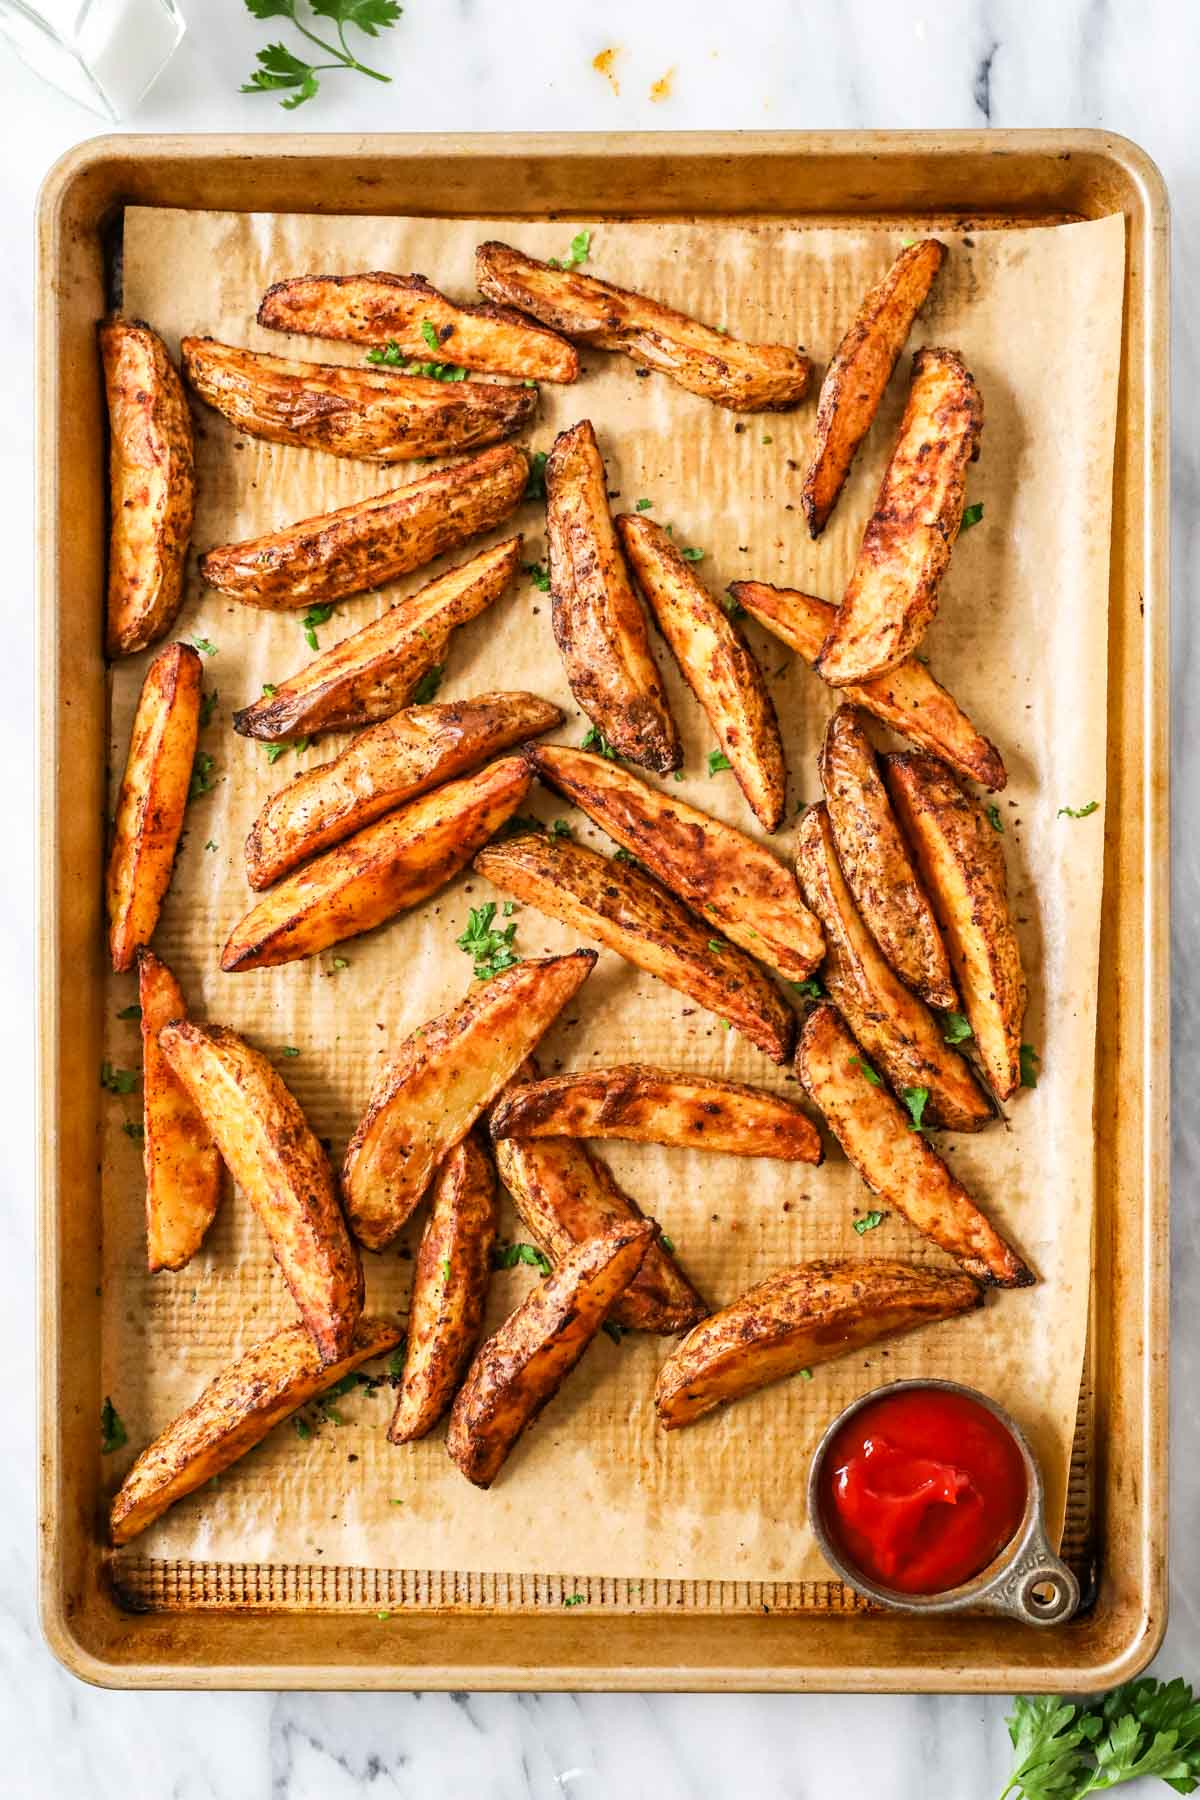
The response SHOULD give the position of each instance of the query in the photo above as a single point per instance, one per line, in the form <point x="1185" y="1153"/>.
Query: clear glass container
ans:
<point x="103" y="53"/>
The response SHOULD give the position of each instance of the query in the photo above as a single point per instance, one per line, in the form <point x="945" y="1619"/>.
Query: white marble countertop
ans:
<point x="1124" y="65"/>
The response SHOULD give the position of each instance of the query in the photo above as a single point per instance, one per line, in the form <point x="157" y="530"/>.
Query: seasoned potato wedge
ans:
<point x="363" y="545"/>
<point x="797" y="1318"/>
<point x="394" y="309"/>
<point x="894" y="1158"/>
<point x="892" y="596"/>
<point x="235" y="1412"/>
<point x="860" y="370"/>
<point x="450" y="1284"/>
<point x="522" y="1366"/>
<point x="269" y="1149"/>
<point x="151" y="485"/>
<point x="428" y="1096"/>
<point x="740" y="376"/>
<point x="962" y="863"/>
<point x="183" y="1167"/>
<point x="717" y="664"/>
<point x="152" y="799"/>
<point x="907" y="698"/>
<point x="627" y="911"/>
<point x="376" y="415"/>
<point x="382" y="870"/>
<point x="599" y="624"/>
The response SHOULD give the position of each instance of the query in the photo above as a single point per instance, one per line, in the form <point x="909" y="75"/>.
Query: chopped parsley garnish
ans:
<point x="535" y="487"/>
<point x="622" y="855"/>
<point x="810" y="989"/>
<point x="133" y="1128"/>
<point x="971" y="516"/>
<point x="539" y="574"/>
<point x="393" y="357"/>
<point x="275" y="751"/>
<point x="643" y="506"/>
<point x="666" y="1242"/>
<point x="856" y="1062"/>
<point x="581" y="244"/>
<point x="270" y="690"/>
<point x="429" y="333"/>
<point x="716" y="946"/>
<point x="316" y="615"/>
<point x="994" y="819"/>
<point x="347" y="1385"/>
<point x="492" y="951"/>
<point x="916" y="1099"/>
<point x="574" y="1599"/>
<point x="289" y="1050"/>
<point x="118" y="1081"/>
<point x="691" y="554"/>
<point x="302" y="1428"/>
<point x="733" y="606"/>
<point x="717" y="760"/>
<point x="205" y="646"/>
<point x="395" y="1368"/>
<point x="678" y="775"/>
<point x="614" y="1331"/>
<point x="428" y="685"/>
<point x="560" y="829"/>
<point x="202" y="776"/>
<point x="868" y="1221"/>
<point x="507" y="1256"/>
<point x="339" y="962"/>
<point x="805" y="1374"/>
<point x="208" y="706"/>
<point x="508" y="909"/>
<point x="112" y="1431"/>
<point x="1079" y="812"/>
<point x="516" y="826"/>
<point x="596" y="741"/>
<point x="958" y="1028"/>
<point x="210" y="844"/>
<point x="281" y="71"/>
<point x="445" y="1270"/>
<point x="130" y="1012"/>
<point x="1029" y="1060"/>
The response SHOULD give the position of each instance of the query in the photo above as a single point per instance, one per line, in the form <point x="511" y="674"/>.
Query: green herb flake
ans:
<point x="118" y="1081"/>
<point x="133" y="1128"/>
<point x="666" y="1243"/>
<point x="270" y="690"/>
<point x="958" y="1028"/>
<point x="130" y="1012"/>
<point x="716" y="946"/>
<point x="395" y="1368"/>
<point x="1079" y="812"/>
<point x="338" y="963"/>
<point x="539" y="575"/>
<point x="508" y="909"/>
<point x="428" y="685"/>
<point x="805" y="1374"/>
<point x="717" y="760"/>
<point x="202" y="775"/>
<point x="208" y="706"/>
<point x="581" y="245"/>
<point x="810" y="989"/>
<point x="856" y="1062"/>
<point x="613" y="1330"/>
<point x="994" y="819"/>
<point x="574" y="1599"/>
<point x="289" y="1050"/>
<point x="383" y="1615"/>
<point x="623" y="855"/>
<point x="678" y="775"/>
<point x="596" y="741"/>
<point x="492" y="951"/>
<point x="643" y="506"/>
<point x="275" y="751"/>
<point x="868" y="1222"/>
<point x="113" y="1434"/>
<point x="692" y="555"/>
<point x="1029" y="1061"/>
<point x="507" y="1256"/>
<point x="429" y="333"/>
<point x="971" y="516"/>
<point x="916" y="1099"/>
<point x="733" y="606"/>
<point x="210" y="843"/>
<point x="205" y="646"/>
<point x="393" y="357"/>
<point x="302" y="1428"/>
<point x="445" y="1270"/>
<point x="316" y="615"/>
<point x="560" y="829"/>
<point x="535" y="487"/>
<point x="768" y="440"/>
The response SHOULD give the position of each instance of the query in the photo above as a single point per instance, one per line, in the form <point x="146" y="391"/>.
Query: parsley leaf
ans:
<point x="302" y="1428"/>
<point x="994" y="819"/>
<point x="1079" y="812"/>
<point x="643" y="506"/>
<point x="281" y="748"/>
<point x="393" y="357"/>
<point x="130" y="1012"/>
<point x="732" y="605"/>
<point x="667" y="1243"/>
<point x="856" y="1062"/>
<point x="208" y="706"/>
<point x="560" y="829"/>
<point x="205" y="646"/>
<point x="716" y="946"/>
<point x="596" y="740"/>
<point x="868" y="1222"/>
<point x="395" y="1368"/>
<point x="316" y="615"/>
<point x="971" y="516"/>
<point x="118" y="1081"/>
<point x="133" y="1128"/>
<point x="1146" y="1727"/>
<point x="539" y="575"/>
<point x="535" y="487"/>
<point x="270" y="690"/>
<point x="445" y="1270"/>
<point x="916" y="1099"/>
<point x="691" y="554"/>
<point x="811" y="989"/>
<point x="428" y="685"/>
<point x="507" y="1256"/>
<point x="717" y="760"/>
<point x="574" y="1599"/>
<point x="112" y="1431"/>
<point x="289" y="1050"/>
<point x="202" y="781"/>
<point x="279" y="69"/>
<point x="581" y="244"/>
<point x="492" y="951"/>
<point x="958" y="1028"/>
<point x="429" y="333"/>
<point x="1029" y="1060"/>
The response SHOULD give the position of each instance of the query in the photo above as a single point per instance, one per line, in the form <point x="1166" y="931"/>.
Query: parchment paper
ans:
<point x="596" y="1488"/>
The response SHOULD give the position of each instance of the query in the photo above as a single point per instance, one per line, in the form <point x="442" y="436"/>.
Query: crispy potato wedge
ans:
<point x="717" y="664"/>
<point x="962" y="863"/>
<point x="393" y="309"/>
<point x="428" y="1096"/>
<point x="151" y="485"/>
<point x="797" y="1318"/>
<point x="893" y="1158"/>
<point x="739" y="376"/>
<point x="598" y="620"/>
<point x="269" y="1149"/>
<point x="860" y="370"/>
<point x="376" y="415"/>
<point x="892" y="596"/>
<point x="182" y="1163"/>
<point x="152" y="799"/>
<point x="236" y="1411"/>
<point x="907" y="698"/>
<point x="522" y="1366"/>
<point x="376" y="670"/>
<point x="382" y="870"/>
<point x="450" y="1284"/>
<point x="627" y="911"/>
<point x="895" y="1029"/>
<point x="371" y="542"/>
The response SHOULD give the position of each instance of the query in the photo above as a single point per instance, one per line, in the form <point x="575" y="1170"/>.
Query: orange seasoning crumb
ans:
<point x="603" y="65"/>
<point x="662" y="87"/>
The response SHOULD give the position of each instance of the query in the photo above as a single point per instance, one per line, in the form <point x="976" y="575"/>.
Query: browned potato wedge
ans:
<point x="892" y="595"/>
<point x="393" y="309"/>
<point x="183" y="1167"/>
<point x="382" y="870"/>
<point x="269" y="1149"/>
<point x="962" y="862"/>
<point x="151" y="485"/>
<point x="375" y="671"/>
<point x="907" y="698"/>
<point x="391" y="762"/>
<point x="717" y="664"/>
<point x="450" y="1284"/>
<point x="522" y="1366"/>
<point x="860" y="370"/>
<point x="894" y="1158"/>
<point x="740" y="376"/>
<point x="798" y="1318"/>
<point x="376" y="415"/>
<point x="426" y="1099"/>
<point x="599" y="624"/>
<point x="895" y="1029"/>
<point x="152" y="800"/>
<point x="235" y="1412"/>
<point x="627" y="911"/>
<point x="371" y="542"/>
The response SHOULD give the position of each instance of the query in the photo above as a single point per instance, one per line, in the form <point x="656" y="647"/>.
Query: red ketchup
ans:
<point x="922" y="1489"/>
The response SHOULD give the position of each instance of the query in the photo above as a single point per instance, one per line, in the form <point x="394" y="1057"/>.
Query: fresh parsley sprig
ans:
<point x="581" y="244"/>
<point x="492" y="951"/>
<point x="281" y="71"/>
<point x="507" y="1256"/>
<point x="1064" y="1751"/>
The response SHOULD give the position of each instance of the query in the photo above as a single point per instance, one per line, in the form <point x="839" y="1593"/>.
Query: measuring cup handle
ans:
<point x="1038" y="1589"/>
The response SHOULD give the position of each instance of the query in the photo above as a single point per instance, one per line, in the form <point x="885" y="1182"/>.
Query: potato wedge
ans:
<point x="598" y="620"/>
<point x="859" y="372"/>
<point x="522" y="1366"/>
<point x="893" y="1158"/>
<point x="892" y="596"/>
<point x="389" y="763"/>
<point x="907" y="698"/>
<point x="627" y="911"/>
<point x="717" y="664"/>
<point x="876" y="863"/>
<point x="450" y="1284"/>
<point x="896" y="1031"/>
<point x="152" y="800"/>
<point x="797" y="1318"/>
<point x="740" y="376"/>
<point x="151" y="485"/>
<point x="371" y="542"/>
<point x="394" y="309"/>
<point x="376" y="670"/>
<point x="962" y="863"/>
<point x="376" y="415"/>
<point x="428" y="1096"/>
<point x="381" y="871"/>
<point x="269" y="1149"/>
<point x="236" y="1411"/>
<point x="182" y="1163"/>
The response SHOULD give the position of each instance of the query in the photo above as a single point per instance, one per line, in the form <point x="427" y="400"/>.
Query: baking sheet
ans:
<point x="595" y="1488"/>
